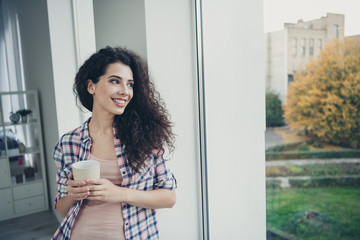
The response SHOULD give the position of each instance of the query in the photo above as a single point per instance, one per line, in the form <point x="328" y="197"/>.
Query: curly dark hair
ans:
<point x="144" y="127"/>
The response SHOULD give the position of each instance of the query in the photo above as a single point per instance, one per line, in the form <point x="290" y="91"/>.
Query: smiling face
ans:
<point x="114" y="90"/>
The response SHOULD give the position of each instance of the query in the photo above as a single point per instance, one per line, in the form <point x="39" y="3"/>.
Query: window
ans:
<point x="290" y="78"/>
<point x="306" y="193"/>
<point x="335" y="31"/>
<point x="11" y="68"/>
<point x="319" y="44"/>
<point x="303" y="46"/>
<point x="311" y="46"/>
<point x="294" y="46"/>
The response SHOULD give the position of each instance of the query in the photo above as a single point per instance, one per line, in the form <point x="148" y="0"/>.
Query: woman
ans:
<point x="126" y="133"/>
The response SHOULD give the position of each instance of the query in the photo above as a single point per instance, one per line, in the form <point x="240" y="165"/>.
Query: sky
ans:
<point x="278" y="12"/>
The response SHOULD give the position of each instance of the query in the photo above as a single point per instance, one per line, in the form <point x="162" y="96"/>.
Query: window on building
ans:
<point x="335" y="31"/>
<point x="319" y="44"/>
<point x="290" y="78"/>
<point x="311" y="46"/>
<point x="303" y="46"/>
<point x="294" y="46"/>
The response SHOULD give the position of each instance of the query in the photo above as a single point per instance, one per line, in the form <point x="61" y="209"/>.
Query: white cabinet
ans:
<point x="28" y="190"/>
<point x="29" y="205"/>
<point x="6" y="204"/>
<point x="4" y="174"/>
<point x="23" y="188"/>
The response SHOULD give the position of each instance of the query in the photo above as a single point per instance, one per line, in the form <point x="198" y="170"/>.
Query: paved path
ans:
<point x="272" y="138"/>
<point x="311" y="161"/>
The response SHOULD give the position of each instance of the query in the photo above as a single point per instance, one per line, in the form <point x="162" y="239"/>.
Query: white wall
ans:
<point x="171" y="57"/>
<point x="234" y="78"/>
<point x="64" y="62"/>
<point x="120" y="23"/>
<point x="66" y="54"/>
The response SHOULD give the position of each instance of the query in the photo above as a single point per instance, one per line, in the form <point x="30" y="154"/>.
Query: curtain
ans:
<point x="11" y="68"/>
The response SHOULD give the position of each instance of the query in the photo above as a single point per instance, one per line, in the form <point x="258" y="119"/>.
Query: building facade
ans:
<point x="293" y="47"/>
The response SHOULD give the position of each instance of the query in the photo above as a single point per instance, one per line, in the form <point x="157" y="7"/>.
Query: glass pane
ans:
<point x="312" y="136"/>
<point x="23" y="104"/>
<point x="25" y="168"/>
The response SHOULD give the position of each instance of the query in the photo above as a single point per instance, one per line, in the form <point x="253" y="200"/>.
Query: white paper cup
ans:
<point x="89" y="169"/>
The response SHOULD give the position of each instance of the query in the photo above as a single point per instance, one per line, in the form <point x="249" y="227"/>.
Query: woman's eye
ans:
<point x="114" y="81"/>
<point x="131" y="85"/>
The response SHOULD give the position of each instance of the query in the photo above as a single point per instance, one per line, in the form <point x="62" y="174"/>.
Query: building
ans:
<point x="291" y="48"/>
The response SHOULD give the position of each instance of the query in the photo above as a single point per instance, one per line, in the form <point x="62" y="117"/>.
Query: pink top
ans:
<point x="98" y="219"/>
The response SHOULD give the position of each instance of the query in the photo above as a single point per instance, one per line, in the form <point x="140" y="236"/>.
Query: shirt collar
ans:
<point x="84" y="130"/>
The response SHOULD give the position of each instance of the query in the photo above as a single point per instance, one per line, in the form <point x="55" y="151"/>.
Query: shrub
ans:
<point x="325" y="181"/>
<point x="284" y="147"/>
<point x="273" y="184"/>
<point x="304" y="147"/>
<point x="272" y="155"/>
<point x="318" y="143"/>
<point x="274" y="111"/>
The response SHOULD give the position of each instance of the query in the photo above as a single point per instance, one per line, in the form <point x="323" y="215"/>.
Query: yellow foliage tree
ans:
<point x="325" y="96"/>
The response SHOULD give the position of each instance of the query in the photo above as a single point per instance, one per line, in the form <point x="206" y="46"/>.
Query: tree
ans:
<point x="274" y="111"/>
<point x="325" y="96"/>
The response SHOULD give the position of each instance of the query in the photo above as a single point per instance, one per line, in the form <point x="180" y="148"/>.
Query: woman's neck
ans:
<point x="101" y="123"/>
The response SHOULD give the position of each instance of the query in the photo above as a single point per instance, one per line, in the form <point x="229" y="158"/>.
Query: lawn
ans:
<point x="332" y="213"/>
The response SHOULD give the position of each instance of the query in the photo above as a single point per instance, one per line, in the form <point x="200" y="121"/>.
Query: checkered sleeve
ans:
<point x="164" y="178"/>
<point x="62" y="174"/>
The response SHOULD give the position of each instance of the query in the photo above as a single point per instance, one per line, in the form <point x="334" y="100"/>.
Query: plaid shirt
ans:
<point x="139" y="223"/>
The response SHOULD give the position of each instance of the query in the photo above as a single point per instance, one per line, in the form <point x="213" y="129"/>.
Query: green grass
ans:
<point x="338" y="208"/>
<point x="315" y="170"/>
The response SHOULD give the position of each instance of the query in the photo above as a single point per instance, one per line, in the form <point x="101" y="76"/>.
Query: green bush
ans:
<point x="284" y="147"/>
<point x="304" y="147"/>
<point x="272" y="155"/>
<point x="274" y="111"/>
<point x="314" y="170"/>
<point x="273" y="183"/>
<point x="325" y="181"/>
<point x="318" y="143"/>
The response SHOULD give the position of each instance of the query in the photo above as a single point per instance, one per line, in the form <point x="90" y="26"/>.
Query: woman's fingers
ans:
<point x="77" y="190"/>
<point x="78" y="193"/>
<point x="78" y="196"/>
<point x="96" y="181"/>
<point x="74" y="183"/>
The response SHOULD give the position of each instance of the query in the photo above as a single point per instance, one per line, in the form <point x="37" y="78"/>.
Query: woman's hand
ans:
<point x="104" y="190"/>
<point x="77" y="190"/>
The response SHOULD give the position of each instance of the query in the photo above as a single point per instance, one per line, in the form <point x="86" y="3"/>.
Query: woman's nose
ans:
<point x="123" y="89"/>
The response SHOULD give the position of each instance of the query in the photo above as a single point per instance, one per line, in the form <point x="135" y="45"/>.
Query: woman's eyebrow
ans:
<point x="115" y="76"/>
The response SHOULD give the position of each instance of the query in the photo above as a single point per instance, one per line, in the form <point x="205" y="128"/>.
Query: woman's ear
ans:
<point x="90" y="86"/>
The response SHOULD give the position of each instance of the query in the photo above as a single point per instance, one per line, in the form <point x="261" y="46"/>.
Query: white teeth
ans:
<point x="119" y="101"/>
